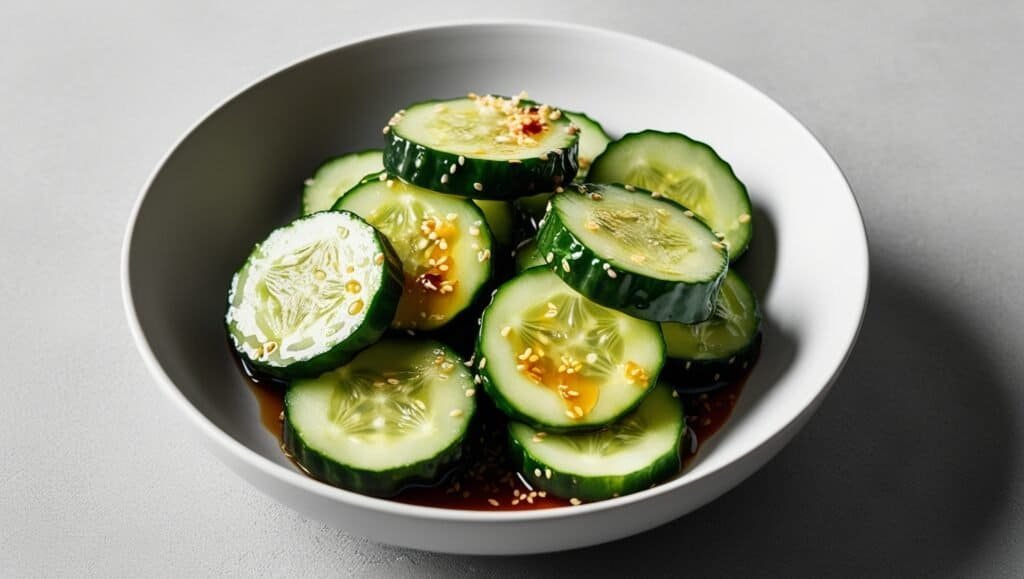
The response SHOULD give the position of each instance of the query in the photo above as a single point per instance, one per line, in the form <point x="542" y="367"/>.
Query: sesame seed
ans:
<point x="444" y="178"/>
<point x="629" y="188"/>
<point x="547" y="474"/>
<point x="549" y="257"/>
<point x="393" y="381"/>
<point x="575" y="501"/>
<point x="386" y="130"/>
<point x="744" y="218"/>
<point x="656" y="195"/>
<point x="390" y="183"/>
<point x="536" y="472"/>
<point x="596" y="197"/>
<point x="420" y="404"/>
<point x="476" y="379"/>
<point x="542" y="494"/>
<point x="455" y="413"/>
<point x="688" y="213"/>
<point x="484" y="255"/>
<point x="514" y="161"/>
<point x="506" y="331"/>
<point x="379" y="259"/>
<point x="353" y="309"/>
<point x="570" y="414"/>
<point x="611" y="273"/>
<point x="470" y="392"/>
<point x="478" y="186"/>
<point x="559" y="189"/>
<point x="462" y="160"/>
<point x="493" y="502"/>
<point x="382" y="177"/>
<point x="308" y="182"/>
<point x="565" y="265"/>
<point x="474" y="230"/>
<point x="543" y="156"/>
<point x="281" y="415"/>
<point x="717" y="245"/>
<point x="453" y="168"/>
<point x="483" y="362"/>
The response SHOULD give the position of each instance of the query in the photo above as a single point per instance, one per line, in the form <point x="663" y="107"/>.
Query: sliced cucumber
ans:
<point x="715" y="352"/>
<point x="687" y="171"/>
<point x="443" y="241"/>
<point x="593" y="141"/>
<point x="313" y="294"/>
<point x="500" y="219"/>
<point x="394" y="416"/>
<point x="633" y="251"/>
<point x="549" y="357"/>
<point x="483" y="147"/>
<point x="634" y="453"/>
<point x="527" y="256"/>
<point x="337" y="176"/>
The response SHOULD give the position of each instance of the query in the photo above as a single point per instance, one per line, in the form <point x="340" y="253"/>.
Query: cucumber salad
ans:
<point x="501" y="266"/>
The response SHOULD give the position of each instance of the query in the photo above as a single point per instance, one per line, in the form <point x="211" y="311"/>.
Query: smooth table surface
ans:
<point x="912" y="467"/>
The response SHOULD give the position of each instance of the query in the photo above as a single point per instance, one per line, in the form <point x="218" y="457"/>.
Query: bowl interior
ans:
<point x="238" y="174"/>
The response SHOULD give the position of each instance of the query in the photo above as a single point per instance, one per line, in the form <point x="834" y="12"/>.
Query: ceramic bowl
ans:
<point x="237" y="174"/>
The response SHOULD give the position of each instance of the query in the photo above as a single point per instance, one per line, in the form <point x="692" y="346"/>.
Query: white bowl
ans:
<point x="238" y="172"/>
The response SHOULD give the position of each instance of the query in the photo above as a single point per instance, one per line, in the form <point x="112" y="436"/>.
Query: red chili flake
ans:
<point x="532" y="127"/>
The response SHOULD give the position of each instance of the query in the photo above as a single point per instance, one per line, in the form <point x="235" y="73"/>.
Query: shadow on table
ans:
<point x="903" y="470"/>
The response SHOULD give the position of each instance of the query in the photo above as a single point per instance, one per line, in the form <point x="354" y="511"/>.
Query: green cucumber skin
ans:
<point x="581" y="175"/>
<point x="734" y="252"/>
<point x="698" y="376"/>
<point x="380" y="312"/>
<point x="509" y="409"/>
<point x="634" y="294"/>
<point x="501" y="180"/>
<point x="387" y="483"/>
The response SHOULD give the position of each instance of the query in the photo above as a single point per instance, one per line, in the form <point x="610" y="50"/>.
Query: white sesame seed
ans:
<point x="565" y="265"/>
<point x="478" y="186"/>
<point x="611" y="273"/>
<point x="493" y="502"/>
<point x="309" y="182"/>
<point x="629" y="188"/>
<point x="536" y="472"/>
<point x="393" y="381"/>
<point x="462" y="160"/>
<point x="453" y="168"/>
<point x="575" y="501"/>
<point x="549" y="257"/>
<point x="390" y="183"/>
<point x="506" y="331"/>
<point x="444" y="178"/>
<point x="483" y="362"/>
<point x="385" y="130"/>
<point x="383" y="177"/>
<point x="744" y="218"/>
<point x="470" y="392"/>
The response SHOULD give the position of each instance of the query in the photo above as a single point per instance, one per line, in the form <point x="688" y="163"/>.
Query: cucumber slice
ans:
<point x="484" y="147"/>
<point x="337" y="176"/>
<point x="718" y="351"/>
<point x="633" y="251"/>
<point x="394" y="416"/>
<point x="686" y="171"/>
<point x="630" y="455"/>
<point x="593" y="141"/>
<point x="500" y="219"/>
<point x="527" y="256"/>
<point x="443" y="241"/>
<point x="312" y="294"/>
<point x="529" y="212"/>
<point x="550" y="357"/>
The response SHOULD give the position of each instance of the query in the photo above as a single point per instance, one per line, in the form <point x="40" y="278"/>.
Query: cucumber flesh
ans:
<point x="632" y="250"/>
<point x="527" y="256"/>
<point x="637" y="451"/>
<point x="687" y="171"/>
<point x="337" y="176"/>
<point x="551" y="358"/>
<point x="593" y="141"/>
<point x="313" y="294"/>
<point x="443" y="242"/>
<point x="500" y="220"/>
<point x="396" y="415"/>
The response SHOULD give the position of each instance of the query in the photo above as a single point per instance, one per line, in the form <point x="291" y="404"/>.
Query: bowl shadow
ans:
<point x="904" y="470"/>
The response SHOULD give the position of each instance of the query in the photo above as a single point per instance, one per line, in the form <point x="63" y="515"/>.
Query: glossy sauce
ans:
<point x="489" y="476"/>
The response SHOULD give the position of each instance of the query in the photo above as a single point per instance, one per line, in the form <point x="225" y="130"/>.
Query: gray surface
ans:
<point x="912" y="467"/>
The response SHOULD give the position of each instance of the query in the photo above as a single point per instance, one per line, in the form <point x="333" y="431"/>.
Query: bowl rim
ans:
<point x="294" y="478"/>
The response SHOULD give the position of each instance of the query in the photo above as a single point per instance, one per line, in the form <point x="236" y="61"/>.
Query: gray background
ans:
<point x="912" y="467"/>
